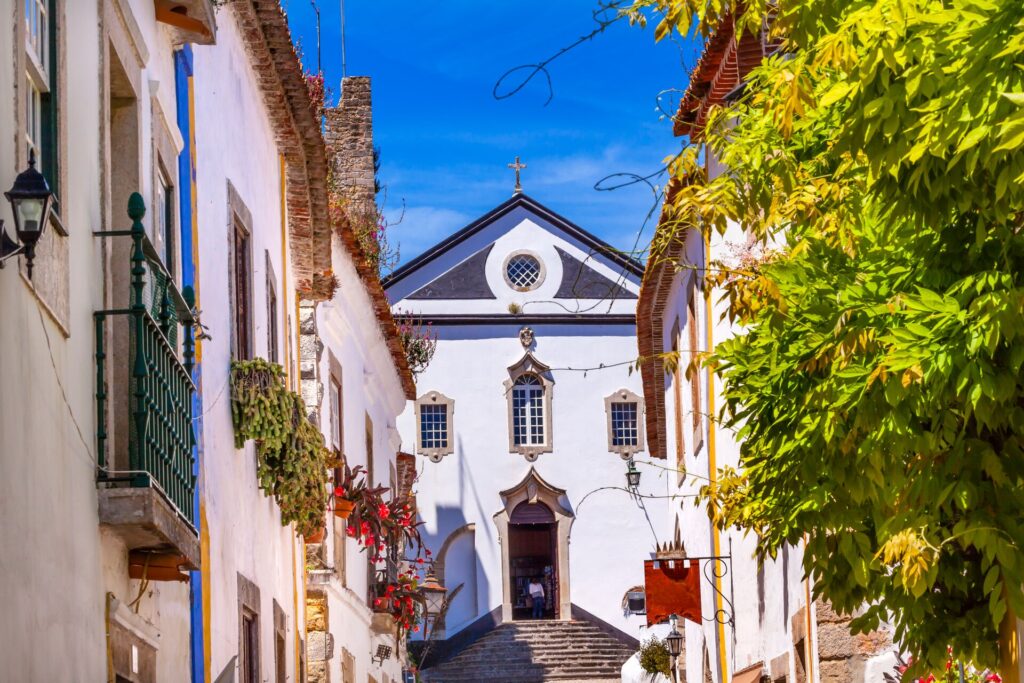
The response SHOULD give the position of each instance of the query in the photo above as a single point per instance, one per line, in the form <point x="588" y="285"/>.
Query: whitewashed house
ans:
<point x="355" y="371"/>
<point x="757" y="620"/>
<point x="94" y="91"/>
<point x="140" y="546"/>
<point x="522" y="438"/>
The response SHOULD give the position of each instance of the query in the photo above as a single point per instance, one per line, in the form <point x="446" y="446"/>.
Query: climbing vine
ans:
<point x="292" y="457"/>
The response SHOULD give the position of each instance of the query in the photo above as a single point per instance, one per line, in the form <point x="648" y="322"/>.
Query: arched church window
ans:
<point x="528" y="391"/>
<point x="528" y="411"/>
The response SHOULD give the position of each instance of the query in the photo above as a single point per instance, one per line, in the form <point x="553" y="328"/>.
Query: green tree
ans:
<point x="876" y="381"/>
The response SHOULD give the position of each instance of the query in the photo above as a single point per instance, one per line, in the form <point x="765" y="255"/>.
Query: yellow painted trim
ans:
<point x="809" y="646"/>
<point x="110" y="647"/>
<point x="1009" y="648"/>
<point x="716" y="539"/>
<point x="204" y="527"/>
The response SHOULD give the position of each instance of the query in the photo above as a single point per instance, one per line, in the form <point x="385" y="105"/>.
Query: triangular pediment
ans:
<point x="469" y="273"/>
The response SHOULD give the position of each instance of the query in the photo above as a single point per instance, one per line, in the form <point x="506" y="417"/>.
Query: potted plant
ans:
<point x="349" y="488"/>
<point x="316" y="536"/>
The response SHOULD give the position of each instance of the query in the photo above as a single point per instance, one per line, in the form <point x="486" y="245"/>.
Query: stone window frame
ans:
<point x="436" y="398"/>
<point x="528" y="365"/>
<point x="541" y="276"/>
<point x="248" y="605"/>
<point x="239" y="216"/>
<point x="280" y="636"/>
<point x="625" y="396"/>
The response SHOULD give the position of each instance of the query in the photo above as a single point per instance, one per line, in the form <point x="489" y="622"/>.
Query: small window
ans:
<point x="250" y="664"/>
<point x="528" y="411"/>
<point x="523" y="272"/>
<point x="40" y="87"/>
<point x="625" y="431"/>
<point x="625" y="422"/>
<point x="335" y="407"/>
<point x="272" y="313"/>
<point x="241" y="272"/>
<point x="163" y="221"/>
<point x="434" y="425"/>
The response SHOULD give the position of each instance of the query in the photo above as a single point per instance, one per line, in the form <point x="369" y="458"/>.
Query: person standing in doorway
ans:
<point x="536" y="591"/>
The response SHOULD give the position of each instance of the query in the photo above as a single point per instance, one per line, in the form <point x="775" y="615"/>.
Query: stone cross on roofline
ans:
<point x="517" y="167"/>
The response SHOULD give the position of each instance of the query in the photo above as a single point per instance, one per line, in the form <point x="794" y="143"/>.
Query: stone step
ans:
<point x="534" y="652"/>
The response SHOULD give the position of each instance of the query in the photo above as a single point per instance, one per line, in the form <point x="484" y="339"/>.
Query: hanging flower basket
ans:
<point x="317" y="536"/>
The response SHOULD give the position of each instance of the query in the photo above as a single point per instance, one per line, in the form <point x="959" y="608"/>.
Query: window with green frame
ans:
<point x="41" y="88"/>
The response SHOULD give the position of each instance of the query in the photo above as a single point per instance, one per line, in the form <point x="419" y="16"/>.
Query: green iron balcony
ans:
<point x="144" y="405"/>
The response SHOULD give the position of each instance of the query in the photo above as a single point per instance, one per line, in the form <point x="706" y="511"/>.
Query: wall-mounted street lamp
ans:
<point x="632" y="476"/>
<point x="30" y="201"/>
<point x="674" y="641"/>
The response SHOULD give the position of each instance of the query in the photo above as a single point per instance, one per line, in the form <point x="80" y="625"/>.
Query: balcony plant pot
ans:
<point x="317" y="536"/>
<point x="343" y="508"/>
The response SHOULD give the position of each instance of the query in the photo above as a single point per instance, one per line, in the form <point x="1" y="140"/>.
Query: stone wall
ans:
<point x="349" y="137"/>
<point x="842" y="656"/>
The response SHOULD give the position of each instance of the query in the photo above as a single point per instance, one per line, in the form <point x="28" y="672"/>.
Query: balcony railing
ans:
<point x="160" y="436"/>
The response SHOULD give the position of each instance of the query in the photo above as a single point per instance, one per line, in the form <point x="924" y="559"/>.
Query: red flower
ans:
<point x="339" y="491"/>
<point x="384" y="511"/>
<point x="419" y="560"/>
<point x="994" y="677"/>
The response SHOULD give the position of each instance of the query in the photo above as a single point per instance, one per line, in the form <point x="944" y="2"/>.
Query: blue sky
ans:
<point x="445" y="140"/>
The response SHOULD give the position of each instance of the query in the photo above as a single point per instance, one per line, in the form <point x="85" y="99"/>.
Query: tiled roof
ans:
<point x="296" y="125"/>
<point x="723" y="65"/>
<point x="297" y="128"/>
<point x="654" y="290"/>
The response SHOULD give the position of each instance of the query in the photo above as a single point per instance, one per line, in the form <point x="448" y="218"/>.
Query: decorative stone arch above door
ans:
<point x="533" y="489"/>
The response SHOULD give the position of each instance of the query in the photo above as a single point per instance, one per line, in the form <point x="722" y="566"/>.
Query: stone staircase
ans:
<point x="534" y="652"/>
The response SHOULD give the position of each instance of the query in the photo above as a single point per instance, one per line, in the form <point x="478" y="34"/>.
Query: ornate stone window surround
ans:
<point x="540" y="277"/>
<point x="529" y="365"/>
<point x="436" y="398"/>
<point x="625" y="396"/>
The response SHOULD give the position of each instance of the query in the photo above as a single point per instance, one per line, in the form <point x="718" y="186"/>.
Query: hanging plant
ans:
<point x="291" y="455"/>
<point x="419" y="341"/>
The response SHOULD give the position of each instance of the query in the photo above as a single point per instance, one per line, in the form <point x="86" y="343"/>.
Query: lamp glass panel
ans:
<point x="30" y="214"/>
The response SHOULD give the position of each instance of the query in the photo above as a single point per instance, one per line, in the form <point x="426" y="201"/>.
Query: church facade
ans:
<point x="525" y="420"/>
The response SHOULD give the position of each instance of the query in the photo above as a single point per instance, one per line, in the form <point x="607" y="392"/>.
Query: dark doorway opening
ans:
<point x="533" y="555"/>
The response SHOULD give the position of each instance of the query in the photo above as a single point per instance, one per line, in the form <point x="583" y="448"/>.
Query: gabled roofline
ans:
<point x="597" y="244"/>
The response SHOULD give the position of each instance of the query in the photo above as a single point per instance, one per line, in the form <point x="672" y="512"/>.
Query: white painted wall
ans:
<point x="242" y="525"/>
<point x="350" y="334"/>
<point x="610" y="537"/>
<point x="59" y="564"/>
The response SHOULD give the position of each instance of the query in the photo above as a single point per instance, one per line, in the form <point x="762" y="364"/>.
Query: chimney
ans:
<point x="349" y="137"/>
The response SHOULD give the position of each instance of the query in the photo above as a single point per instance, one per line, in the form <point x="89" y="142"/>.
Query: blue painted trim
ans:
<point x="182" y="74"/>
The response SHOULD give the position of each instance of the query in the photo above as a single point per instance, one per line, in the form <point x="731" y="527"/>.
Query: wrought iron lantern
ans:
<point x="433" y="592"/>
<point x="632" y="476"/>
<point x="674" y="641"/>
<point x="30" y="201"/>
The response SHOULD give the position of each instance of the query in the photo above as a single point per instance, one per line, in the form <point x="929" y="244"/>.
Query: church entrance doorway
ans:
<point x="533" y="530"/>
<point x="533" y="557"/>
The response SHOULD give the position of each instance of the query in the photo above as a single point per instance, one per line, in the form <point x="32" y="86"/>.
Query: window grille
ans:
<point x="523" y="271"/>
<point x="433" y="426"/>
<point x="625" y="431"/>
<point x="528" y="411"/>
